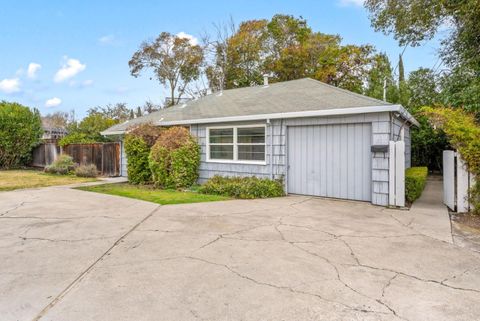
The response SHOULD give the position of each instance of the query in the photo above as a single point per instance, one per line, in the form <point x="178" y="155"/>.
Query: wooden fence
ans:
<point x="106" y="156"/>
<point x="45" y="154"/>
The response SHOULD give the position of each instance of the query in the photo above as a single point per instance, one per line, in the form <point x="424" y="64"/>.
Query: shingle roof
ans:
<point x="282" y="97"/>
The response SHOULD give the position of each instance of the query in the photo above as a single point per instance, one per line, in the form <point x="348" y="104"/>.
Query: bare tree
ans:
<point x="216" y="52"/>
<point x="59" y="119"/>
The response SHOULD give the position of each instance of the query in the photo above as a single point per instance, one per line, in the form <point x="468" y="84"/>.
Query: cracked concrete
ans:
<point x="72" y="255"/>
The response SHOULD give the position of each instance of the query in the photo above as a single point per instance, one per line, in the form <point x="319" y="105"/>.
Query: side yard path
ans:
<point x="428" y="215"/>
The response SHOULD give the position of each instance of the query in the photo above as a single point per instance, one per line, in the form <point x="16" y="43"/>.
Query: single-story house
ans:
<point x="321" y="140"/>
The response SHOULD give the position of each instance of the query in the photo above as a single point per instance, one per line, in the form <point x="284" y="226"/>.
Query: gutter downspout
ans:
<point x="271" y="147"/>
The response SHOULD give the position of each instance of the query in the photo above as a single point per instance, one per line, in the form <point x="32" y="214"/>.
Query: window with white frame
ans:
<point x="243" y="144"/>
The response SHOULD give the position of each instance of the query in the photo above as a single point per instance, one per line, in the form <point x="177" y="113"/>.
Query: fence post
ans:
<point x="391" y="173"/>
<point x="400" y="173"/>
<point x="462" y="185"/>
<point x="449" y="178"/>
<point x="396" y="186"/>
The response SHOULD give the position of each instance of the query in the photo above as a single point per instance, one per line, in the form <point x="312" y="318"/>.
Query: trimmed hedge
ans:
<point x="243" y="187"/>
<point x="415" y="180"/>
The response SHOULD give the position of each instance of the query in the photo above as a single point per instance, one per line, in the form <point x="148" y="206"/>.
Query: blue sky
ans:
<point x="63" y="55"/>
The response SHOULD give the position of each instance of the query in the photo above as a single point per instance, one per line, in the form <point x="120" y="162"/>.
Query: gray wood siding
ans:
<point x="380" y="131"/>
<point x="330" y="160"/>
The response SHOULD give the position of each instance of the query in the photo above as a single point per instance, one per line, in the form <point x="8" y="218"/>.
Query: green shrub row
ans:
<point x="243" y="187"/>
<point x="415" y="180"/>
<point x="168" y="158"/>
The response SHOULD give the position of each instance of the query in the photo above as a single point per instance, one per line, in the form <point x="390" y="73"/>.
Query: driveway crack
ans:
<point x="82" y="275"/>
<point x="280" y="287"/>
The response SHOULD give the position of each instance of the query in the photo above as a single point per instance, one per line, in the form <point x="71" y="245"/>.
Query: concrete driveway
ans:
<point x="77" y="256"/>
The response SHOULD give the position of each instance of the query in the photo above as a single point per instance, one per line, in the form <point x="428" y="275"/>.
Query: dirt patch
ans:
<point x="470" y="220"/>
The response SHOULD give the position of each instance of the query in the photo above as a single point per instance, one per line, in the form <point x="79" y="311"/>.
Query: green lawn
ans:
<point x="16" y="179"/>
<point x="150" y="194"/>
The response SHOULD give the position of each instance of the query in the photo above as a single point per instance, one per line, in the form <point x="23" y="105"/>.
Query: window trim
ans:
<point x="235" y="159"/>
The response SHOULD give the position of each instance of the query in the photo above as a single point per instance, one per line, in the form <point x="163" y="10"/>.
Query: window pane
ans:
<point x="221" y="152"/>
<point x="251" y="152"/>
<point x="251" y="135"/>
<point x="221" y="136"/>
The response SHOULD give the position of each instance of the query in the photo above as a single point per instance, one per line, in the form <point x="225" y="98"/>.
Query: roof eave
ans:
<point x="300" y="114"/>
<point x="311" y="113"/>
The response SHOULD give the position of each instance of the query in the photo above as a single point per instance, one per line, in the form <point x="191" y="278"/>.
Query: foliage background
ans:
<point x="20" y="132"/>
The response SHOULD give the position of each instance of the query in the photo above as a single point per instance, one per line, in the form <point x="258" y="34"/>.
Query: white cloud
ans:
<point x="82" y="84"/>
<point x="33" y="67"/>
<point x="192" y="39"/>
<point x="10" y="86"/>
<point x="107" y="40"/>
<point x="347" y="3"/>
<point x="69" y="69"/>
<point x="87" y="83"/>
<point x="53" y="102"/>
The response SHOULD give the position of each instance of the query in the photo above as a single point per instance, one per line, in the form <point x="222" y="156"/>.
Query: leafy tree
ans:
<point x="118" y="112"/>
<point x="380" y="75"/>
<point x="20" y="132"/>
<point x="461" y="88"/>
<point x="464" y="135"/>
<point x="415" y="21"/>
<point x="175" y="62"/>
<point x="403" y="94"/>
<point x="89" y="129"/>
<point x="427" y="143"/>
<point x="352" y="66"/>
<point x="245" y="50"/>
<point x="286" y="48"/>
<point x="423" y="89"/>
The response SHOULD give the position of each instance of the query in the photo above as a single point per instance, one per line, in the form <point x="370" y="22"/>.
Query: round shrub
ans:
<point x="20" y="132"/>
<point x="63" y="165"/>
<point x="174" y="159"/>
<point x="89" y="170"/>
<point x="138" y="142"/>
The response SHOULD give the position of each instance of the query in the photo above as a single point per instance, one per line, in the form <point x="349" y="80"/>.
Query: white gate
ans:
<point x="397" y="173"/>
<point x="457" y="180"/>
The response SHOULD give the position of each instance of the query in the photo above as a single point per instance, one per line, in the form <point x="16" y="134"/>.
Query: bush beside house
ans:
<point x="174" y="159"/>
<point x="415" y="180"/>
<point x="20" y="132"/>
<point x="138" y="143"/>
<point x="243" y="187"/>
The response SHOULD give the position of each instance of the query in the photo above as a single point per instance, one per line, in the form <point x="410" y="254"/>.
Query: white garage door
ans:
<point x="330" y="160"/>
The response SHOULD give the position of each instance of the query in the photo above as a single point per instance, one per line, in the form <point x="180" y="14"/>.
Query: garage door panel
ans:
<point x="330" y="160"/>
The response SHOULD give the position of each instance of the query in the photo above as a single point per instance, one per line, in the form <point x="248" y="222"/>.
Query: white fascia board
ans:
<point x="299" y="114"/>
<point x="112" y="133"/>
